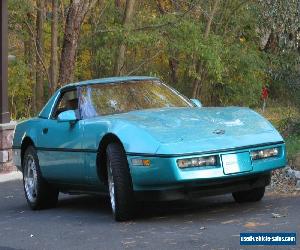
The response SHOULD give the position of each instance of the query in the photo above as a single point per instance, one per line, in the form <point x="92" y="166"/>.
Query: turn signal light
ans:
<point x="141" y="162"/>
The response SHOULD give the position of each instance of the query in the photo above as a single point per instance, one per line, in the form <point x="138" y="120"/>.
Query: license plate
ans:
<point x="236" y="163"/>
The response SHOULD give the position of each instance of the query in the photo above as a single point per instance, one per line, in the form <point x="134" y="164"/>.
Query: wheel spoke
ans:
<point x="30" y="179"/>
<point x="111" y="186"/>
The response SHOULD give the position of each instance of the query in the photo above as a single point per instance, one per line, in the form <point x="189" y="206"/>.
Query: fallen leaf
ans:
<point x="129" y="242"/>
<point x="251" y="224"/>
<point x="229" y="221"/>
<point x="274" y="215"/>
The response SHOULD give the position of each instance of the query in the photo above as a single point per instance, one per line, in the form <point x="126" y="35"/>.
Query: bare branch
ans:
<point x="144" y="62"/>
<point x="46" y="73"/>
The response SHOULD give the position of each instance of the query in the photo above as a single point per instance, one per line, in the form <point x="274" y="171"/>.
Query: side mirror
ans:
<point x="67" y="116"/>
<point x="197" y="103"/>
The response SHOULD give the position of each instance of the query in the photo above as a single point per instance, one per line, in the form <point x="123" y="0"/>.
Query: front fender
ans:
<point x="25" y="129"/>
<point x="134" y="139"/>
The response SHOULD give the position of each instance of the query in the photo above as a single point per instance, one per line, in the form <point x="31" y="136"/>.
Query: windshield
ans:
<point x="106" y="99"/>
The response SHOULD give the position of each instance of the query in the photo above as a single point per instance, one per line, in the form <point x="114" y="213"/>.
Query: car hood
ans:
<point x="202" y="129"/>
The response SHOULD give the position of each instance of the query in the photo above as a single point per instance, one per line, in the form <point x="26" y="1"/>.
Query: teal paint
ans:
<point x="68" y="150"/>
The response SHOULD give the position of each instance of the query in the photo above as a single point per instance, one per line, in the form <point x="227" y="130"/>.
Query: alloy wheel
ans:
<point x="30" y="179"/>
<point x="111" y="186"/>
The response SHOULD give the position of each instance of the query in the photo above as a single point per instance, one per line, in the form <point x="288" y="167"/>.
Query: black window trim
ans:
<point x="58" y="99"/>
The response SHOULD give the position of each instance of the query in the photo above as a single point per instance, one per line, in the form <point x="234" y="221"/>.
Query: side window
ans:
<point x="67" y="101"/>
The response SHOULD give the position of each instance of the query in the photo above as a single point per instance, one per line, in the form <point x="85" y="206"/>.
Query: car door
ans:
<point x="60" y="144"/>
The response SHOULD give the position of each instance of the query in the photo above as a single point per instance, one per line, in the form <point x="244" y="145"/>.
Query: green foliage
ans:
<point x="20" y="90"/>
<point x="292" y="145"/>
<point x="244" y="77"/>
<point x="234" y="66"/>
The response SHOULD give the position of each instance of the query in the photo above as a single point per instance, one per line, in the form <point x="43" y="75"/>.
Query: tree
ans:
<point x="164" y="7"/>
<point x="39" y="90"/>
<point x="223" y="51"/>
<point x="29" y="48"/>
<point x="120" y="56"/>
<point x="54" y="46"/>
<point x="200" y="71"/>
<point x="75" y="17"/>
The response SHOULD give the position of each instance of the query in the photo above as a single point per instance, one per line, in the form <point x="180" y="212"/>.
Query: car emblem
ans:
<point x="219" y="132"/>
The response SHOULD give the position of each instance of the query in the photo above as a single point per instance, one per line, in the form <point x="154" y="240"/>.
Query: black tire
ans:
<point x="252" y="195"/>
<point x="44" y="195"/>
<point x="123" y="194"/>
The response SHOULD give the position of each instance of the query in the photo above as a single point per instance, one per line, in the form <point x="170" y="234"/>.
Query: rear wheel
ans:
<point x="119" y="183"/>
<point x="39" y="194"/>
<point x="252" y="195"/>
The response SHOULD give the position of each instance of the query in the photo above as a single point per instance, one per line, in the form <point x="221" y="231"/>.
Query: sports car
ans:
<point x="136" y="138"/>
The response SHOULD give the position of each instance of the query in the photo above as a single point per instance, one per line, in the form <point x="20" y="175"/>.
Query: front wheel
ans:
<point x="119" y="183"/>
<point x="39" y="194"/>
<point x="252" y="195"/>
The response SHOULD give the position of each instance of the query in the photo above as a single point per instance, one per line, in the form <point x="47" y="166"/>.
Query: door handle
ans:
<point x="45" y="130"/>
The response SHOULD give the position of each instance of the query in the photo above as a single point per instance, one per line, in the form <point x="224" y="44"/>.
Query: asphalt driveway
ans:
<point x="85" y="222"/>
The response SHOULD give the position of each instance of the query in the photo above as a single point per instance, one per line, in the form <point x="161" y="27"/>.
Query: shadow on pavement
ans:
<point x="214" y="207"/>
<point x="203" y="207"/>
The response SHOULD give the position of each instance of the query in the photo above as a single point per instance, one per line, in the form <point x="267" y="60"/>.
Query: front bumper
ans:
<point x="208" y="188"/>
<point x="164" y="174"/>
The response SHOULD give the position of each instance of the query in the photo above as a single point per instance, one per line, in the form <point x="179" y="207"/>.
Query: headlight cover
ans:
<point x="197" y="162"/>
<point x="264" y="153"/>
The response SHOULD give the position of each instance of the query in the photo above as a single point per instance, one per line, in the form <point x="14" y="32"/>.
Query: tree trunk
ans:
<point x="118" y="4"/>
<point x="120" y="57"/>
<point x="54" y="48"/>
<point x="164" y="7"/>
<point x="31" y="65"/>
<point x="272" y="43"/>
<point x="30" y="61"/>
<point x="39" y="55"/>
<point x="200" y="66"/>
<point x="75" y="17"/>
<point x="210" y="18"/>
<point x="197" y="81"/>
<point x="173" y="64"/>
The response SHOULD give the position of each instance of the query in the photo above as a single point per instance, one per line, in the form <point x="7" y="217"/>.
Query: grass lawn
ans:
<point x="292" y="145"/>
<point x="283" y="118"/>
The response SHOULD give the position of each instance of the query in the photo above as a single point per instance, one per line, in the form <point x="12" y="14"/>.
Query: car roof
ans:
<point x="110" y="80"/>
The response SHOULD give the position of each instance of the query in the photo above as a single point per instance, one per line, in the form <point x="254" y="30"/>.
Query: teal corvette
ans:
<point x="136" y="138"/>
